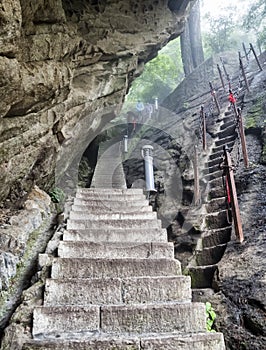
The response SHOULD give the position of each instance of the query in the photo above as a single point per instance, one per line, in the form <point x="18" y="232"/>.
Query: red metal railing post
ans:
<point x="233" y="196"/>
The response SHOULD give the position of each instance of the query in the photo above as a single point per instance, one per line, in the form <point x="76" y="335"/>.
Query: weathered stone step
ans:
<point x="217" y="155"/>
<point x="111" y="224"/>
<point x="210" y="176"/>
<point x="114" y="319"/>
<point x="228" y="132"/>
<point x="215" y="237"/>
<point x="120" y="249"/>
<point x="225" y="140"/>
<point x="133" y="290"/>
<point x="117" y="235"/>
<point x="216" y="220"/>
<point x="105" y="196"/>
<point x="93" y="268"/>
<point x="210" y="255"/>
<point x="84" y="215"/>
<point x="200" y="341"/>
<point x="202" y="276"/>
<point x="110" y="203"/>
<point x="220" y="148"/>
<point x="110" y="190"/>
<point x="218" y="182"/>
<point x="217" y="192"/>
<point x="228" y="124"/>
<point x="213" y="162"/>
<point x="112" y="208"/>
<point x="216" y="204"/>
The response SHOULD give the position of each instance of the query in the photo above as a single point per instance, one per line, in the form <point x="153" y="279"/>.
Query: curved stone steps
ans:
<point x="210" y="255"/>
<point x="216" y="237"/>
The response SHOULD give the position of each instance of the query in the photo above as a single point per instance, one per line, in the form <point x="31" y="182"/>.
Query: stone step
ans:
<point x="133" y="290"/>
<point x="202" y="276"/>
<point x="217" y="192"/>
<point x="228" y="132"/>
<point x="93" y="268"/>
<point x="210" y="255"/>
<point x="217" y="155"/>
<point x="114" y="208"/>
<point x="114" y="319"/>
<point x="228" y="124"/>
<point x="120" y="249"/>
<point x="110" y="203"/>
<point x="117" y="235"/>
<point x="216" y="220"/>
<point x="216" y="204"/>
<point x="111" y="196"/>
<point x="112" y="224"/>
<point x="226" y="140"/>
<point x="109" y="190"/>
<point x="210" y="176"/>
<point x="216" y="161"/>
<point x="200" y="341"/>
<point x="217" y="182"/>
<point x="216" y="237"/>
<point x="213" y="169"/>
<point x="84" y="215"/>
<point x="229" y="144"/>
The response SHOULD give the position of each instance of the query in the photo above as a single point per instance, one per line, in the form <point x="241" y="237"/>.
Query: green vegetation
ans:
<point x="57" y="195"/>
<point x="211" y="316"/>
<point x="160" y="76"/>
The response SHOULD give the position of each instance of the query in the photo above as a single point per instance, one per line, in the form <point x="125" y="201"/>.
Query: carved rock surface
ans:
<point x="65" y="67"/>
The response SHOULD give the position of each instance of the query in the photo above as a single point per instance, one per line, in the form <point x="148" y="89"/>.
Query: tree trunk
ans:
<point x="191" y="41"/>
<point x="186" y="51"/>
<point x="195" y="35"/>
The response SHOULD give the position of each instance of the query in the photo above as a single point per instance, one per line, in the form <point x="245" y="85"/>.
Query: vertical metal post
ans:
<point x="125" y="143"/>
<point x="256" y="57"/>
<point x="233" y="194"/>
<point x="225" y="72"/>
<point x="243" y="138"/>
<point x="156" y="103"/>
<point x="196" y="176"/>
<point x="203" y="125"/>
<point x="146" y="153"/>
<point x="213" y="93"/>
<point x="243" y="71"/>
<point x="221" y="77"/>
<point x="245" y="51"/>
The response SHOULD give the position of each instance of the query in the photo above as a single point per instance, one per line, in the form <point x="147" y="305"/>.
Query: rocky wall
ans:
<point x="65" y="67"/>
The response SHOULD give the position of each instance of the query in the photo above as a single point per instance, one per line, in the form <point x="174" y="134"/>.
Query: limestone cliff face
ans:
<point x="65" y="67"/>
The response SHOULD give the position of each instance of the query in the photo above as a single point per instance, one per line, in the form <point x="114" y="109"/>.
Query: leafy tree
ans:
<point x="220" y="36"/>
<point x="256" y="19"/>
<point x="160" y="76"/>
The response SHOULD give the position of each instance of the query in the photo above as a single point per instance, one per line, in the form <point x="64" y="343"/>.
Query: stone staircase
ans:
<point x="216" y="227"/>
<point x="109" y="171"/>
<point x="115" y="283"/>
